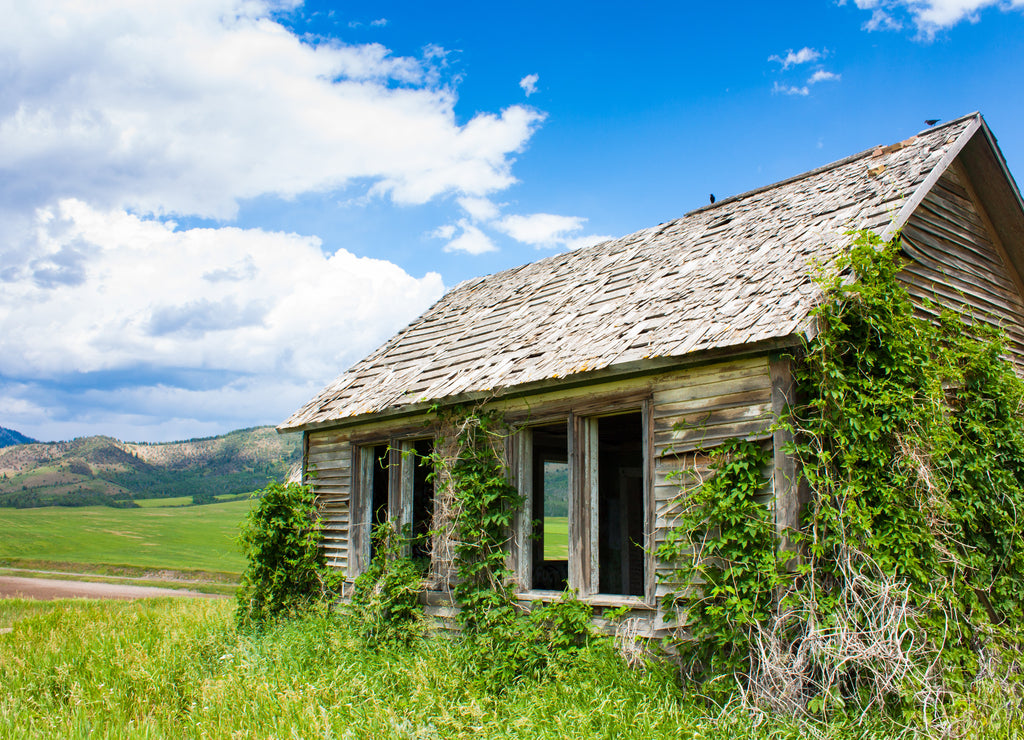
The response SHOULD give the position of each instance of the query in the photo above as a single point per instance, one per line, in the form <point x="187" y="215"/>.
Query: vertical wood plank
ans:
<point x="522" y="543"/>
<point x="593" y="576"/>
<point x="406" y="465"/>
<point x="362" y="509"/>
<point x="649" y="501"/>
<point x="303" y="473"/>
<point x="784" y="474"/>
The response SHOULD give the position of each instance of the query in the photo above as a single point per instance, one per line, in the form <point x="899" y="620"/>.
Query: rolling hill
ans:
<point x="102" y="470"/>
<point x="9" y="437"/>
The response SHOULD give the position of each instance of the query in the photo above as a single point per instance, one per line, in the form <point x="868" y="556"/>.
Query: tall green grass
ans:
<point x="176" y="668"/>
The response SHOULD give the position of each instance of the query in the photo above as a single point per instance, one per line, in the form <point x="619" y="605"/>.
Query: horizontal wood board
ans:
<point x="956" y="263"/>
<point x="329" y="471"/>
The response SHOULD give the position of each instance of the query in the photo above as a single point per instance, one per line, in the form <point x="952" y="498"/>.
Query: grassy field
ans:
<point x="186" y="538"/>
<point x="556" y="538"/>
<point x="161" y="503"/>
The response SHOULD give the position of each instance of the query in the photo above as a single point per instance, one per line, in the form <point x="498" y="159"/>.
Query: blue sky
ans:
<point x="209" y="208"/>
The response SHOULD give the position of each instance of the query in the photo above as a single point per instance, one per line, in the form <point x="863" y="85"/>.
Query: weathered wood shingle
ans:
<point x="735" y="273"/>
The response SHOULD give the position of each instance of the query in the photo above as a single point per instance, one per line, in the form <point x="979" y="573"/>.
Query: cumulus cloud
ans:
<point x="791" y="58"/>
<point x="529" y="84"/>
<point x="779" y="89"/>
<point x="244" y="314"/>
<point x="471" y="241"/>
<point x="823" y="76"/>
<point x="929" y="16"/>
<point x="243" y="300"/>
<point x="540" y="229"/>
<point x="480" y="209"/>
<point x="192" y="105"/>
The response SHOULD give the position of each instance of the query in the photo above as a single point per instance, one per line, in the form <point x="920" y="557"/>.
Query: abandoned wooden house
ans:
<point x="616" y="364"/>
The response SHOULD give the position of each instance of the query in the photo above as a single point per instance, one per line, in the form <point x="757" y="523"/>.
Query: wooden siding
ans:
<point x="688" y="410"/>
<point x="693" y="413"/>
<point x="958" y="262"/>
<point x="329" y="471"/>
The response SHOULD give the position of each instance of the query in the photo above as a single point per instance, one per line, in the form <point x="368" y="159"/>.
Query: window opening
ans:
<point x="379" y="489"/>
<point x="422" y="498"/>
<point x="550" y="548"/>
<point x="620" y="525"/>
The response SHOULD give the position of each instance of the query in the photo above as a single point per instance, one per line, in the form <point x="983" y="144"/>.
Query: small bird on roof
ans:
<point x="932" y="121"/>
<point x="712" y="197"/>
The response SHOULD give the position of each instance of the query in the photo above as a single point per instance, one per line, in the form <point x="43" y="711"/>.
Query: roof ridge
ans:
<point x="825" y="167"/>
<point x="711" y="206"/>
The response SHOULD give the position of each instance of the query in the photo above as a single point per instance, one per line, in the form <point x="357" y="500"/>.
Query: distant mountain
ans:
<point x="9" y="438"/>
<point x="102" y="470"/>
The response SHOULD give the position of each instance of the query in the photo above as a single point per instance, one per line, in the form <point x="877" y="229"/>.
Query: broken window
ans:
<point x="586" y="517"/>
<point x="394" y="486"/>
<point x="419" y="499"/>
<point x="550" y="471"/>
<point x="620" y="504"/>
<point x="378" y="487"/>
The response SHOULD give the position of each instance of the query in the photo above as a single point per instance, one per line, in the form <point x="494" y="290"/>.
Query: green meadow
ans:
<point x="184" y="538"/>
<point x="556" y="538"/>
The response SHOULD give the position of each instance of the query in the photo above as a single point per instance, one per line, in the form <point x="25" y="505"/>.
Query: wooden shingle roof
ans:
<point x="734" y="273"/>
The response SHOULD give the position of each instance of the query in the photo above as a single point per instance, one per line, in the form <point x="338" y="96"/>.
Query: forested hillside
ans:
<point x="9" y="437"/>
<point x="102" y="470"/>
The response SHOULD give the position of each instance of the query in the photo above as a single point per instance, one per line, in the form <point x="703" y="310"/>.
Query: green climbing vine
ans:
<point x="386" y="596"/>
<point x="475" y="508"/>
<point x="727" y="567"/>
<point x="911" y="436"/>
<point x="909" y="579"/>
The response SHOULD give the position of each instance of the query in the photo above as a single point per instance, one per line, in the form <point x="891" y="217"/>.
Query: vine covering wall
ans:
<point x="910" y="580"/>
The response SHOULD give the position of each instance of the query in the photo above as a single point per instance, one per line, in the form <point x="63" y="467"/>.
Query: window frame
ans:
<point x="584" y="503"/>
<point x="401" y="477"/>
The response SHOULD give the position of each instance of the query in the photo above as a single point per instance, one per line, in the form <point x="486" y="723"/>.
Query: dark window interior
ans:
<point x="379" y="488"/>
<point x="621" y="504"/>
<point x="422" y="498"/>
<point x="550" y="507"/>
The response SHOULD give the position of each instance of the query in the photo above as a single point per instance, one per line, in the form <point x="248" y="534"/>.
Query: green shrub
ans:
<point x="281" y="542"/>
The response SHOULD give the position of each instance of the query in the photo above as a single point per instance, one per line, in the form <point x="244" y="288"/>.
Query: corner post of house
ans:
<point x="304" y="470"/>
<point x="785" y="477"/>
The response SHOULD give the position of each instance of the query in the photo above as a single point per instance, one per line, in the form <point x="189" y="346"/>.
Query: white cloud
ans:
<point x="471" y="241"/>
<point x="823" y="76"/>
<point x="929" y="16"/>
<point x="188" y="106"/>
<point x="447" y="231"/>
<point x="882" y="21"/>
<point x="479" y="209"/>
<point x="380" y="22"/>
<point x="202" y="327"/>
<point x="540" y="229"/>
<point x="790" y="89"/>
<point x="126" y="291"/>
<point x="529" y="84"/>
<point x="803" y="56"/>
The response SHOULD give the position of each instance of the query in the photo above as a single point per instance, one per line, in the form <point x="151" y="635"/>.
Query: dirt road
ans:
<point x="45" y="589"/>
